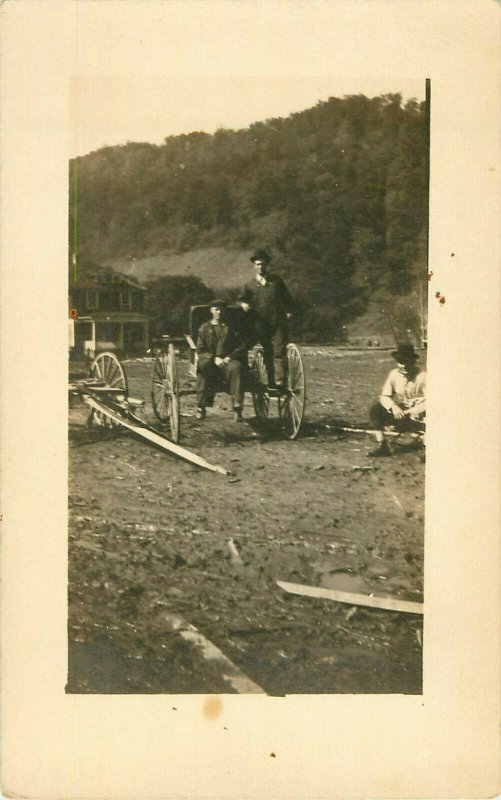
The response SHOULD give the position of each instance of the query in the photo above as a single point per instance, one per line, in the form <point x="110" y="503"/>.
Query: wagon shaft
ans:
<point x="152" y="436"/>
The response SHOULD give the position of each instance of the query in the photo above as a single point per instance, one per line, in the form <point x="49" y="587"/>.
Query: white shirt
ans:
<point x="400" y="390"/>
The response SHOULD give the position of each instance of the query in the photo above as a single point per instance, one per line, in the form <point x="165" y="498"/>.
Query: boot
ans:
<point x="381" y="451"/>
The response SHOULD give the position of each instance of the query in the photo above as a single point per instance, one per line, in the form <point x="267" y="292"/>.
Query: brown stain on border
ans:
<point x="213" y="707"/>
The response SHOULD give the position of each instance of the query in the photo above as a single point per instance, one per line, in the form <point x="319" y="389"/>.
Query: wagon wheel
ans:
<point x="291" y="404"/>
<point x="260" y="390"/>
<point x="107" y="369"/>
<point x="165" y="391"/>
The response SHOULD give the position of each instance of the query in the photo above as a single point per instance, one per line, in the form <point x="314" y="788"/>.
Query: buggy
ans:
<point x="167" y="391"/>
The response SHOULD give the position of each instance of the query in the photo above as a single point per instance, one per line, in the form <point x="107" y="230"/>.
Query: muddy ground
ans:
<point x="149" y="539"/>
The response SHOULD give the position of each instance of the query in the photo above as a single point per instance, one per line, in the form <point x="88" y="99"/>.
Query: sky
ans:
<point x="147" y="70"/>
<point x="113" y="110"/>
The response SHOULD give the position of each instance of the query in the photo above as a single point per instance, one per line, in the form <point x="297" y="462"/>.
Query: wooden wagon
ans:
<point x="167" y="390"/>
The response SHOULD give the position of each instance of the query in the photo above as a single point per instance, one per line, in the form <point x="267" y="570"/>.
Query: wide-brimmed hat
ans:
<point x="260" y="255"/>
<point x="405" y="352"/>
<point x="217" y="303"/>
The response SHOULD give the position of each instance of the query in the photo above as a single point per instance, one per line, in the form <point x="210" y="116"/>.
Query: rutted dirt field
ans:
<point x="149" y="538"/>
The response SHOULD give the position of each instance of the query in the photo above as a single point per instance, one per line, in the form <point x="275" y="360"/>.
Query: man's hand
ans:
<point x="244" y="306"/>
<point x="289" y="315"/>
<point x="398" y="412"/>
<point x="218" y="361"/>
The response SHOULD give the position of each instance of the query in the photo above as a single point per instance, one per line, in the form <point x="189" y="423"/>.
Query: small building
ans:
<point x="110" y="310"/>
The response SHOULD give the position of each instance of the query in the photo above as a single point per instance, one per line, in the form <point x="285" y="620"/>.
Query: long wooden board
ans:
<point x="373" y="432"/>
<point x="155" y="438"/>
<point x="229" y="671"/>
<point x="385" y="603"/>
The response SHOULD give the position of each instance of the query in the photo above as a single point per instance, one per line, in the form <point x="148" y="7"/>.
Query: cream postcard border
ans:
<point x="443" y="744"/>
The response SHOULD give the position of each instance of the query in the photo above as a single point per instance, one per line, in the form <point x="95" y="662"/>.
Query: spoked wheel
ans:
<point x="165" y="391"/>
<point x="291" y="404"/>
<point x="107" y="370"/>
<point x="260" y="388"/>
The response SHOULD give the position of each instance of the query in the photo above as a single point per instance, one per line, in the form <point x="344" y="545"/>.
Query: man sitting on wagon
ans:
<point x="402" y="403"/>
<point x="221" y="359"/>
<point x="272" y="305"/>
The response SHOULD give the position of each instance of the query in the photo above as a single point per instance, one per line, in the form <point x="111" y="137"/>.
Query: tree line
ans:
<point x="337" y="193"/>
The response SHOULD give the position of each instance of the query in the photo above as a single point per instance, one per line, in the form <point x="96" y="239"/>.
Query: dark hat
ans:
<point x="260" y="255"/>
<point x="405" y="352"/>
<point x="217" y="303"/>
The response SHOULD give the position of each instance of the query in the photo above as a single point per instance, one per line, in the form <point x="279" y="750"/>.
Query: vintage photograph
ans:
<point x="250" y="531"/>
<point x="247" y="319"/>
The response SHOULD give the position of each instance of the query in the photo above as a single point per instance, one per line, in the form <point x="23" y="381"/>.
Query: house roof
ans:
<point x="100" y="278"/>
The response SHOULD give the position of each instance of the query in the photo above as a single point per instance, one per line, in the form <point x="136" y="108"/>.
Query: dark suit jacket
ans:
<point x="270" y="303"/>
<point x="228" y="343"/>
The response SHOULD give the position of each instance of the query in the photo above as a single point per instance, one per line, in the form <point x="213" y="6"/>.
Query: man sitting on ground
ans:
<point x="402" y="402"/>
<point x="221" y="357"/>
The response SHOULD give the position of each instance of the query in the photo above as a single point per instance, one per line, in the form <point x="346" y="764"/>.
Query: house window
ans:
<point x="109" y="300"/>
<point x="92" y="299"/>
<point x="126" y="301"/>
<point x="137" y="301"/>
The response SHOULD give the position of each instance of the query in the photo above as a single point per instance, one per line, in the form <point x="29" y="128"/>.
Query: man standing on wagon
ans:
<point x="221" y="357"/>
<point x="270" y="301"/>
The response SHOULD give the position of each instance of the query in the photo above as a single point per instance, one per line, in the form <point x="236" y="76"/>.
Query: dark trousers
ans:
<point x="380" y="418"/>
<point x="212" y="379"/>
<point x="274" y="342"/>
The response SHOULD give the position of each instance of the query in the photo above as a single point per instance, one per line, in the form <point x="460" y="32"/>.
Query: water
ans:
<point x="345" y="582"/>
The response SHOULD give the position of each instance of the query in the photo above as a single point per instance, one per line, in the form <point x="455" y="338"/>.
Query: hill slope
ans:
<point x="338" y="193"/>
<point x="217" y="267"/>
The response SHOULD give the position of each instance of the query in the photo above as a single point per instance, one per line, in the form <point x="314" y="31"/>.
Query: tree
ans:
<point x="337" y="192"/>
<point x="169" y="300"/>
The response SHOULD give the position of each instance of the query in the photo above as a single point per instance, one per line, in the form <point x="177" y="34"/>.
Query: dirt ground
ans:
<point x="149" y="538"/>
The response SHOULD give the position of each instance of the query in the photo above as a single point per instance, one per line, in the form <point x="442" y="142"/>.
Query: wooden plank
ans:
<point x="384" y="603"/>
<point x="230" y="672"/>
<point x="155" y="438"/>
<point x="372" y="432"/>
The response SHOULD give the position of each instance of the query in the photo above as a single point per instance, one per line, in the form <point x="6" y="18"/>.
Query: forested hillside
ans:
<point x="338" y="193"/>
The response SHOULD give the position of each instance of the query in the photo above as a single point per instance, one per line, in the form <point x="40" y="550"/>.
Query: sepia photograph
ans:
<point x="247" y="373"/>
<point x="250" y="412"/>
